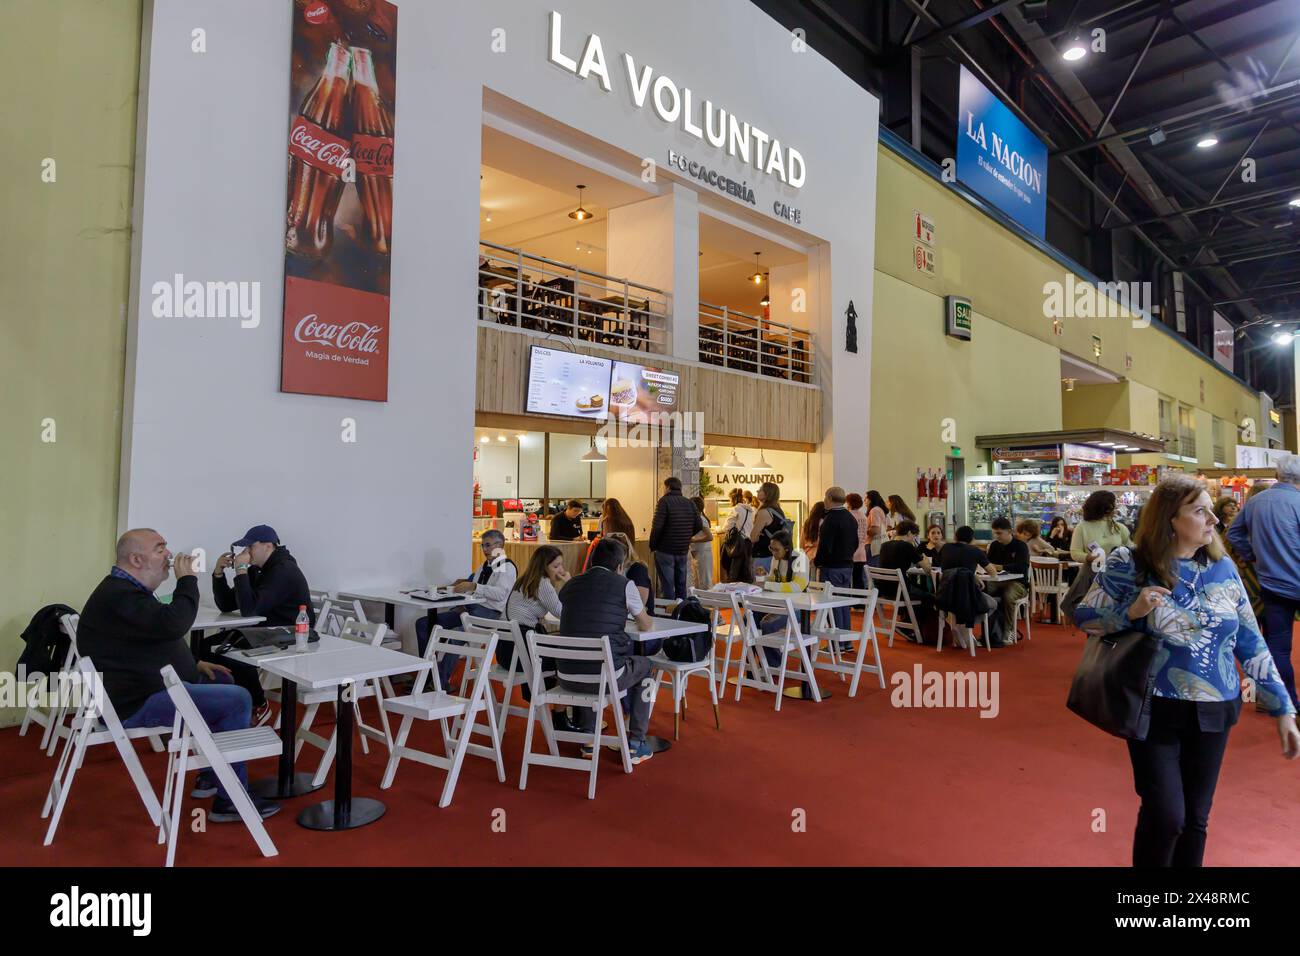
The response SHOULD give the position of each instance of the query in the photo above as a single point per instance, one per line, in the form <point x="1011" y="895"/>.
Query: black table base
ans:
<point x="658" y="744"/>
<point x="322" y="816"/>
<point x="270" y="788"/>
<point x="286" y="783"/>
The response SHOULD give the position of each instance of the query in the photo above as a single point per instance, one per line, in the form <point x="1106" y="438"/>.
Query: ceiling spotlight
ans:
<point x="1207" y="141"/>
<point x="519" y="437"/>
<point x="1277" y="325"/>
<point x="1295" y="202"/>
<point x="1075" y="49"/>
<point x="501" y="438"/>
<point x="735" y="462"/>
<point x="1283" y="338"/>
<point x="580" y="213"/>
<point x="757" y="277"/>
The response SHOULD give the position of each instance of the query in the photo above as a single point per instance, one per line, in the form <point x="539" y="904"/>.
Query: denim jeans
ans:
<point x="635" y="679"/>
<point x="224" y="706"/>
<point x="772" y="624"/>
<point x="672" y="570"/>
<point x="448" y="620"/>
<point x="839" y="578"/>
<point x="1279" y="614"/>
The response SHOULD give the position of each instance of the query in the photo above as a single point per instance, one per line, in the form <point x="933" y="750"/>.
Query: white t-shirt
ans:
<point x="634" y="603"/>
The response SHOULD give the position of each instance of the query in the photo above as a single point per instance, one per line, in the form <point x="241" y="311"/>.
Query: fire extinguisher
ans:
<point x="921" y="486"/>
<point x="943" y="487"/>
<point x="478" y="501"/>
<point x="934" y="486"/>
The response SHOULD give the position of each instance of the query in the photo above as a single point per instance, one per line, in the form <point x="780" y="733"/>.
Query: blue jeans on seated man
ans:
<point x="672" y="570"/>
<point x="772" y="624"/>
<point x="224" y="705"/>
<point x="448" y="620"/>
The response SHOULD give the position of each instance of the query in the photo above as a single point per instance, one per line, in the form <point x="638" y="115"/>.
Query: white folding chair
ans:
<point x="677" y="673"/>
<point x="604" y="692"/>
<point x="437" y="704"/>
<point x="516" y="675"/>
<point x="867" y="636"/>
<point x="194" y="746"/>
<point x="789" y="640"/>
<point x="320" y="602"/>
<point x="95" y="722"/>
<point x="718" y="603"/>
<point x="663" y="607"/>
<point x="900" y="602"/>
<point x="1046" y="579"/>
<point x="964" y="636"/>
<point x="362" y="633"/>
<point x="54" y="718"/>
<point x="1021" y="608"/>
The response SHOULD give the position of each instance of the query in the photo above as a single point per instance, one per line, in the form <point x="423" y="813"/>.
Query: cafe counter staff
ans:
<point x="1178" y="583"/>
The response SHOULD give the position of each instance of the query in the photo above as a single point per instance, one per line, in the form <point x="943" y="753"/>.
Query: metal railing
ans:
<point x="531" y="292"/>
<point x="1187" y="442"/>
<point x="749" y="343"/>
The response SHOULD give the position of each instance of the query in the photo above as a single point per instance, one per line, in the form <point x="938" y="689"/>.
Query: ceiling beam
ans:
<point x="1137" y="64"/>
<point x="966" y="22"/>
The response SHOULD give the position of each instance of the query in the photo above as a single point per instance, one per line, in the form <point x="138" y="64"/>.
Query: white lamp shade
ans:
<point x="735" y="462"/>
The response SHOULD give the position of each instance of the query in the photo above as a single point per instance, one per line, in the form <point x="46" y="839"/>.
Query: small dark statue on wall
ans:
<point x="851" y="333"/>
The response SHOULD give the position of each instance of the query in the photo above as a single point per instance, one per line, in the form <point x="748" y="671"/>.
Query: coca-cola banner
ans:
<point x="339" y="219"/>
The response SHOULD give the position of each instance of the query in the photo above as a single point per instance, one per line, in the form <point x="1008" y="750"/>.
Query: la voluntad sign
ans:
<point x="678" y="106"/>
<point x="736" y="478"/>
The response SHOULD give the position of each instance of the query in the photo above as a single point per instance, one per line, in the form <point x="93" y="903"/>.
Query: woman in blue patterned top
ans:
<point x="1177" y="582"/>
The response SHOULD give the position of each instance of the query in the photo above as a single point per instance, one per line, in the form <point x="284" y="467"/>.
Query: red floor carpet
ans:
<point x="876" y="784"/>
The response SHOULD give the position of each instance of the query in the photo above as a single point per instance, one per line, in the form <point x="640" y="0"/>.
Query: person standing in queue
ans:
<point x="567" y="524"/>
<point x="768" y="520"/>
<point x="837" y="541"/>
<point x="1176" y="582"/>
<point x="877" y="527"/>
<point x="598" y="603"/>
<point x="675" y="523"/>
<point x="269" y="584"/>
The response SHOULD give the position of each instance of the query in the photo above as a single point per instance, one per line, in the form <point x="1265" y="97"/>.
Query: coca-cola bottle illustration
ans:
<point x="318" y="156"/>
<point x="372" y="150"/>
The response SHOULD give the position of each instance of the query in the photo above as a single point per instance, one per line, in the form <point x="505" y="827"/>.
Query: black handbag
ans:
<point x="1113" y="683"/>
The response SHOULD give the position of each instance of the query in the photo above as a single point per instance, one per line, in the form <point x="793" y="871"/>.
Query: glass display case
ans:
<point x="1011" y="496"/>
<point x="1128" y="500"/>
<point x="794" y="510"/>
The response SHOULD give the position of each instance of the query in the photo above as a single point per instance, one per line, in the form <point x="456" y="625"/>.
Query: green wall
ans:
<point x="64" y="265"/>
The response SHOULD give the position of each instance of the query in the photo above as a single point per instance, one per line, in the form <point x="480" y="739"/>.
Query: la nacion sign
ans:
<point x="678" y="105"/>
<point x="998" y="157"/>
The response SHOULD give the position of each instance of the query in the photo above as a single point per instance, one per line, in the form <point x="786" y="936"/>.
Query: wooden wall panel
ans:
<point x="734" y="404"/>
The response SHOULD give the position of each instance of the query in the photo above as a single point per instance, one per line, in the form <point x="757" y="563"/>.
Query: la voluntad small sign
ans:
<point x="959" y="313"/>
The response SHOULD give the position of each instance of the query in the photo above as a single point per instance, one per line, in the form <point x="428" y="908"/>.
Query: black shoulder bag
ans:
<point x="1113" y="683"/>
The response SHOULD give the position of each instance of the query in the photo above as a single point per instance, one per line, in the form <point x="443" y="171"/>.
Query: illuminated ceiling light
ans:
<point x="593" y="453"/>
<point x="762" y="465"/>
<point x="580" y="213"/>
<point x="735" y="462"/>
<point x="708" y="461"/>
<point x="501" y="438"/>
<point x="519" y="437"/>
<point x="484" y="440"/>
<point x="1283" y="338"/>
<point x="1295" y="202"/>
<point x="1277" y="325"/>
<point x="1075" y="49"/>
<point x="1207" y="141"/>
<point x="1069" y="384"/>
<point x="757" y="277"/>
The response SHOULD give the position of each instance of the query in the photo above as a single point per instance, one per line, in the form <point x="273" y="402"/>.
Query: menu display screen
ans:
<point x="565" y="383"/>
<point x="638" y="390"/>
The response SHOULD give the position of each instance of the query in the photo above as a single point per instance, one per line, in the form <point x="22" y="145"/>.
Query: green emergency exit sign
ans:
<point x="958" y="318"/>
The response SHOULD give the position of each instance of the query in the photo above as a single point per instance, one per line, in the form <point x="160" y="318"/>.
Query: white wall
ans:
<point x="210" y="444"/>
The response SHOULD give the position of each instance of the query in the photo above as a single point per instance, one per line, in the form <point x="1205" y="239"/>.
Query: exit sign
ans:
<point x="959" y="313"/>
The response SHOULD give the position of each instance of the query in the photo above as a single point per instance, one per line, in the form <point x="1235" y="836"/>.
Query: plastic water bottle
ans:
<point x="301" y="628"/>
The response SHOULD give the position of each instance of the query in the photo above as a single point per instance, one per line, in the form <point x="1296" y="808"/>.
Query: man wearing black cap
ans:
<point x="269" y="584"/>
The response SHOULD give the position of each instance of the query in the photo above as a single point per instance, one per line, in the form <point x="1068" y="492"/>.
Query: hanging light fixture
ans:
<point x="735" y="462"/>
<point x="767" y="293"/>
<point x="708" y="461"/>
<point x="501" y="438"/>
<point x="1206" y="142"/>
<point x="757" y="277"/>
<point x="762" y="465"/>
<point x="593" y="454"/>
<point x="580" y="213"/>
<point x="1075" y="49"/>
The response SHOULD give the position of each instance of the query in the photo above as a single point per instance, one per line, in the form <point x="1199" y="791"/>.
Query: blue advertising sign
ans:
<point x="998" y="157"/>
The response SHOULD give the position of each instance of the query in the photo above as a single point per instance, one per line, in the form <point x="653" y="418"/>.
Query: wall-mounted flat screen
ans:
<point x="638" y="390"/>
<point x="566" y="383"/>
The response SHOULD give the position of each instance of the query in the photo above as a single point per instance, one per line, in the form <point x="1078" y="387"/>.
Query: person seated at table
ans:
<point x="788" y="575"/>
<point x="131" y="636"/>
<point x="567" y="524"/>
<point x="535" y="595"/>
<point x="961" y="553"/>
<point x="1059" y="534"/>
<point x="634" y="569"/>
<point x="1008" y="553"/>
<point x="492" y="584"/>
<point x="598" y="603"/>
<point x="269" y="584"/>
<point x="1030" y="532"/>
<point x="933" y="543"/>
<point x="901" y="553"/>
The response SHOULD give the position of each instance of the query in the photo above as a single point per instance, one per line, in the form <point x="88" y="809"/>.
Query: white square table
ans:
<point x="391" y="598"/>
<point x="339" y="663"/>
<point x="663" y="627"/>
<point x="805" y="602"/>
<point x="213" y="619"/>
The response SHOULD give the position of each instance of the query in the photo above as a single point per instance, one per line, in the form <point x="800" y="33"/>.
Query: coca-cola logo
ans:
<point x="378" y="152"/>
<point x="331" y="151"/>
<point x="352" y="337"/>
<point x="317" y="13"/>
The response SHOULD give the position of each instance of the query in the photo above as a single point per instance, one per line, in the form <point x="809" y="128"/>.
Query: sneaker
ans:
<point x="223" y="811"/>
<point x="641" y="753"/>
<point x="585" y="750"/>
<point x="261" y="714"/>
<point x="205" y="786"/>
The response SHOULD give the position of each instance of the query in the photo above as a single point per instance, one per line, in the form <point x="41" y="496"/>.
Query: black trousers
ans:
<point x="1175" y="771"/>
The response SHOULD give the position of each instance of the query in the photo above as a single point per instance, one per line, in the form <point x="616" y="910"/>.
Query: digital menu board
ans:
<point x="565" y="383"/>
<point x="638" y="390"/>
